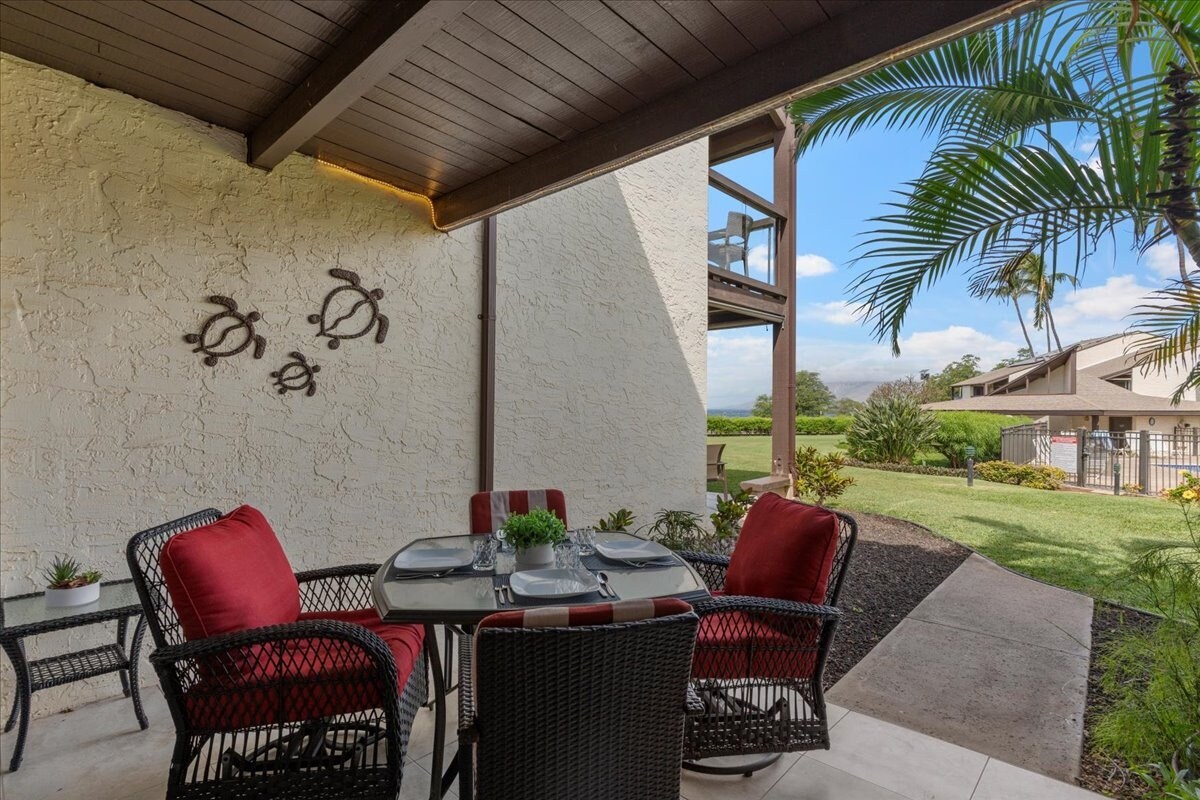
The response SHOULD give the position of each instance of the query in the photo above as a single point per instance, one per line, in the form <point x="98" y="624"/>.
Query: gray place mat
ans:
<point x="598" y="563"/>
<point x="395" y="574"/>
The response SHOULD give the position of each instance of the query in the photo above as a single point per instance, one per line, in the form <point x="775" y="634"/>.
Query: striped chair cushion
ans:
<point x="489" y="510"/>
<point x="598" y="614"/>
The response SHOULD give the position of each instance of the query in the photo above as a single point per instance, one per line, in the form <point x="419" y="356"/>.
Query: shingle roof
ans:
<point x="1092" y="396"/>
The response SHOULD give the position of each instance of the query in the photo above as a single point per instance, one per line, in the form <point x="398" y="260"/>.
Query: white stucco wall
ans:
<point x="117" y="219"/>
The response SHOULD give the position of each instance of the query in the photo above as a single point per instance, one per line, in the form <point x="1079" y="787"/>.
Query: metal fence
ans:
<point x="1148" y="460"/>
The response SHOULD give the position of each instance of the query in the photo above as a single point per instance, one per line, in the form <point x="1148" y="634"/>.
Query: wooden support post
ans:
<point x="783" y="346"/>
<point x="487" y="360"/>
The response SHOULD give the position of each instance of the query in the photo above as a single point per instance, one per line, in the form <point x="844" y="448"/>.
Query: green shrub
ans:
<point x="822" y="426"/>
<point x="618" y="520"/>
<point x="761" y="426"/>
<point x="959" y="429"/>
<point x="819" y="477"/>
<point x="679" y="530"/>
<point x="540" y="526"/>
<point x="892" y="429"/>
<point x="914" y="469"/>
<point x="1035" y="476"/>
<point x="727" y="519"/>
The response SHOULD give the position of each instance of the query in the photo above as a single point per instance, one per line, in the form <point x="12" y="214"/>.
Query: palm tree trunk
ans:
<point x="1183" y="271"/>
<point x="1054" y="328"/>
<point x="1024" y="330"/>
<point x="1187" y="233"/>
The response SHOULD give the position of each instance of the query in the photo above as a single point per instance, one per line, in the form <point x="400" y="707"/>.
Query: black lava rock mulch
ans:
<point x="895" y="564"/>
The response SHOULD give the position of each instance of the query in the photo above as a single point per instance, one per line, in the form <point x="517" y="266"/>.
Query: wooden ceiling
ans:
<point x="477" y="104"/>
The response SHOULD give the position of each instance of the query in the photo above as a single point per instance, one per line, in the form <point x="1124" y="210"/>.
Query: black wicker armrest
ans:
<point x="247" y="662"/>
<point x="344" y="588"/>
<point x="712" y="567"/>
<point x="693" y="705"/>
<point x="765" y="606"/>
<point x="466" y="685"/>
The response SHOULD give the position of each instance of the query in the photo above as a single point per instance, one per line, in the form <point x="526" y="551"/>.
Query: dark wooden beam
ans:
<point x="749" y="137"/>
<point x="849" y="45"/>
<point x="739" y="192"/>
<point x="390" y="31"/>
<point x="731" y="299"/>
<point x="754" y="285"/>
<point x="487" y="361"/>
<point x="783" y="343"/>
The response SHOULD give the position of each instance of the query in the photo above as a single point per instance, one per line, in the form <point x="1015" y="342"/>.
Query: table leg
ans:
<point x="135" y="691"/>
<point x="439" y="711"/>
<point x="16" y="654"/>
<point x="122" y="626"/>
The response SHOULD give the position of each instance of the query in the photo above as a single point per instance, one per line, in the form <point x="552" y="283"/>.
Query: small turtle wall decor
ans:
<point x="227" y="332"/>
<point x="350" y="311"/>
<point x="297" y="375"/>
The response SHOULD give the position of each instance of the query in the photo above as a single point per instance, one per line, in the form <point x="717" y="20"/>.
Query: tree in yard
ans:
<point x="846" y="406"/>
<point x="762" y="406"/>
<point x="1024" y="354"/>
<point x="813" y="397"/>
<point x="901" y="387"/>
<point x="1005" y="184"/>
<point x="940" y="386"/>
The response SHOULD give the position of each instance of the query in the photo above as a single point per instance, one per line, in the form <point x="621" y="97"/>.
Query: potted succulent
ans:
<point x="533" y="536"/>
<point x="67" y="584"/>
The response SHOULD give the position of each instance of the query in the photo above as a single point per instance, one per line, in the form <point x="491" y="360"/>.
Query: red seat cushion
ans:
<point x="231" y="575"/>
<point x="785" y="551"/>
<point x="302" y="679"/>
<point x="735" y="644"/>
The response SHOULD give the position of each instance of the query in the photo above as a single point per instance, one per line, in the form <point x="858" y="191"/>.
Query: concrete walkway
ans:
<point x="991" y="661"/>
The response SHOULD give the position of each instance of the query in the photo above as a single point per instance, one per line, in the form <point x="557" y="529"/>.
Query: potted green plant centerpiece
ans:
<point x="533" y="536"/>
<point x="68" y="584"/>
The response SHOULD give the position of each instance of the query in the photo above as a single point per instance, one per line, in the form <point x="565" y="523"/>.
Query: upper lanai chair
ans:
<point x="765" y="635"/>
<point x="280" y="684"/>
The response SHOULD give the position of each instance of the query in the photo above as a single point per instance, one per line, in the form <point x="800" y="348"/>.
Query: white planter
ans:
<point x="536" y="557"/>
<point x="79" y="596"/>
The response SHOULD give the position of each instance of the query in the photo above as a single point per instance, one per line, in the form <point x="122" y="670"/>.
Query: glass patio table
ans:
<point x="464" y="597"/>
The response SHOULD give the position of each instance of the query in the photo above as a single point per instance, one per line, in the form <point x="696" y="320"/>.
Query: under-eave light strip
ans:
<point x="405" y="193"/>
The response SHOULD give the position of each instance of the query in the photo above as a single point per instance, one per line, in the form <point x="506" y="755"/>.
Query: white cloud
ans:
<point x="1163" y="260"/>
<point x="838" y="312"/>
<point x="739" y="362"/>
<point x="811" y="265"/>
<point x="1094" y="310"/>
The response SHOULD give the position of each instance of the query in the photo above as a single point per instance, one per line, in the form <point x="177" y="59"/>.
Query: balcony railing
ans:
<point x="747" y="242"/>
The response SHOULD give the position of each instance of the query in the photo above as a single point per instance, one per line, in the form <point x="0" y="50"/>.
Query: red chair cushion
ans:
<point x="231" y="575"/>
<point x="301" y="679"/>
<point x="489" y="510"/>
<point x="785" y="551"/>
<point x="597" y="614"/>
<point x="733" y="644"/>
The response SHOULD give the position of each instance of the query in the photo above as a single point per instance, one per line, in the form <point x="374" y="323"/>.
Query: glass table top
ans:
<point x="468" y="597"/>
<point x="115" y="597"/>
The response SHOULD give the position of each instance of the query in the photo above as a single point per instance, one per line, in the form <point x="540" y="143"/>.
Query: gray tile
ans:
<point x="1017" y="702"/>
<point x="813" y="780"/>
<point x="698" y="786"/>
<point x="1003" y="781"/>
<point x="916" y="766"/>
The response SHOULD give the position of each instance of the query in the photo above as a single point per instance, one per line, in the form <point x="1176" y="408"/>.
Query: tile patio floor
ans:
<point x="97" y="752"/>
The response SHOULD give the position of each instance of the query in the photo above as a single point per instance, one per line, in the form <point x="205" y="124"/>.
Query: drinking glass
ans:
<point x="585" y="540"/>
<point x="566" y="556"/>
<point x="485" y="553"/>
<point x="501" y="538"/>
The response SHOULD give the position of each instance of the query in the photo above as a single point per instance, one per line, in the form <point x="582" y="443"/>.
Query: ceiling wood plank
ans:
<point x="795" y="15"/>
<point x="545" y="50"/>
<point x="653" y="22"/>
<point x="255" y="48"/>
<point x="384" y="38"/>
<point x="703" y="21"/>
<point x="450" y="146"/>
<point x="835" y="51"/>
<point x="754" y="20"/>
<point x="626" y="40"/>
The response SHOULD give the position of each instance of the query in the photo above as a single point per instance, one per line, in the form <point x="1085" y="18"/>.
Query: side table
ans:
<point x="26" y="615"/>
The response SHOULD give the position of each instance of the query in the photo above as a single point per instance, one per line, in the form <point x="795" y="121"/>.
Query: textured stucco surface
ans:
<point x="117" y="219"/>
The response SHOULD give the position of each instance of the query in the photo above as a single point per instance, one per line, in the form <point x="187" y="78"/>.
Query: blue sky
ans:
<point x="840" y="185"/>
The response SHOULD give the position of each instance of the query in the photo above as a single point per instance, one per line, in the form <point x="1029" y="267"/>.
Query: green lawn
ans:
<point x="1078" y="540"/>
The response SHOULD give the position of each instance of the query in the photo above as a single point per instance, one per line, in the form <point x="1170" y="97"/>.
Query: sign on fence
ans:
<point x="1063" y="451"/>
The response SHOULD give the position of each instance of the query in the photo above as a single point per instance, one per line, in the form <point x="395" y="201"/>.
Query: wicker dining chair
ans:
<point x="583" y="703"/>
<point x="280" y="684"/>
<point x="765" y="635"/>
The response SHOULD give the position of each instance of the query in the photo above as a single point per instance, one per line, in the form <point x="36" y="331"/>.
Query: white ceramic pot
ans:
<point x="79" y="596"/>
<point x="536" y="557"/>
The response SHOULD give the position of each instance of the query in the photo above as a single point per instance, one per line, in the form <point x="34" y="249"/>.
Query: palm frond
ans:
<point x="1170" y="321"/>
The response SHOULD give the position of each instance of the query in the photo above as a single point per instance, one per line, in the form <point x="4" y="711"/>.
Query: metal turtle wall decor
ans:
<point x="350" y="311"/>
<point x="227" y="332"/>
<point x="297" y="375"/>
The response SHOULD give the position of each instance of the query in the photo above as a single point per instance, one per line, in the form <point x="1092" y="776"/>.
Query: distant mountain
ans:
<point x="729" y="412"/>
<point x="855" y="390"/>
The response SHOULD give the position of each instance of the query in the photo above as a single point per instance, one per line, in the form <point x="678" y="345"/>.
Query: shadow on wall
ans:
<point x="601" y="340"/>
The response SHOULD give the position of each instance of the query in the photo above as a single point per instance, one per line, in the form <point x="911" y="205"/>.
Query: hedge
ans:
<point x="761" y="426"/>
<point x="915" y="469"/>
<point x="1031" y="475"/>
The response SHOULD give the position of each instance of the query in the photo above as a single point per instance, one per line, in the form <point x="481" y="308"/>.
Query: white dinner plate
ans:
<point x="553" y="582"/>
<point x="632" y="550"/>
<point x="434" y="559"/>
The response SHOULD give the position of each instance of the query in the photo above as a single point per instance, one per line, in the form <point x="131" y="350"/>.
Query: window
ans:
<point x="1124" y="380"/>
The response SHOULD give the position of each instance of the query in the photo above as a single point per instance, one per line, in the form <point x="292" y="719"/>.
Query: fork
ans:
<point x="412" y="576"/>
<point x="499" y="595"/>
